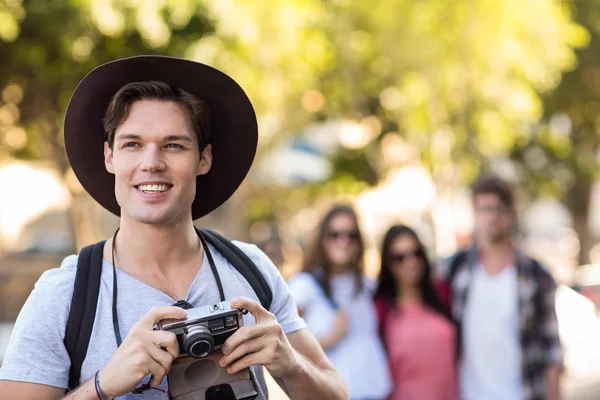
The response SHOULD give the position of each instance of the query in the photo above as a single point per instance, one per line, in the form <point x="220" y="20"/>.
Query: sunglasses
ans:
<point x="401" y="257"/>
<point x="335" y="235"/>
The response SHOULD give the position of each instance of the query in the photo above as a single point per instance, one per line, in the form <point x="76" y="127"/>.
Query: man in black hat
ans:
<point x="160" y="142"/>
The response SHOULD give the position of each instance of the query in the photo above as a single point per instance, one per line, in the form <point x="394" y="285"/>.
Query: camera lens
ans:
<point x="198" y="341"/>
<point x="200" y="349"/>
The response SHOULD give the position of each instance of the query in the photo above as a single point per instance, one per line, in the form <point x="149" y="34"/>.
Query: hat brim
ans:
<point x="234" y="134"/>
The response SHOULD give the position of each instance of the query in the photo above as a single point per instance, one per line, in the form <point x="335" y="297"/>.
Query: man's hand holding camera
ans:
<point x="262" y="344"/>
<point x="144" y="351"/>
<point x="147" y="350"/>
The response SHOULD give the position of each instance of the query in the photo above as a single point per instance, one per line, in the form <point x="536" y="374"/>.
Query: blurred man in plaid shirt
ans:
<point x="503" y="303"/>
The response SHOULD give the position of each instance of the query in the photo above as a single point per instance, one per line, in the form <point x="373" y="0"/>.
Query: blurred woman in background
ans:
<point x="417" y="330"/>
<point x="335" y="299"/>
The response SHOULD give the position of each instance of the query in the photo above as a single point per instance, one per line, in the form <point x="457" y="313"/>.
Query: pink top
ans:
<point x="421" y="349"/>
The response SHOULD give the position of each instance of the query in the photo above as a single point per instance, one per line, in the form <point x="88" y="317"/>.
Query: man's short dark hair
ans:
<point x="496" y="186"/>
<point x="196" y="110"/>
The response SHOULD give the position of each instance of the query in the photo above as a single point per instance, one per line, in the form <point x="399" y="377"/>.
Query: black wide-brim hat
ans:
<point x="234" y="133"/>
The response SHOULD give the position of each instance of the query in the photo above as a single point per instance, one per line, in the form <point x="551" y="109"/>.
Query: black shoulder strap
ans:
<point x="243" y="264"/>
<point x="83" y="308"/>
<point x="87" y="288"/>
<point x="457" y="260"/>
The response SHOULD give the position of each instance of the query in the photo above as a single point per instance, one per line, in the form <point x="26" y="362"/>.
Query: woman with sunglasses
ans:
<point x="335" y="300"/>
<point x="417" y="330"/>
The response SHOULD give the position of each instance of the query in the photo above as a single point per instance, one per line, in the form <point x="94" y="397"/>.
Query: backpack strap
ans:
<point x="87" y="288"/>
<point x="458" y="259"/>
<point x="444" y="287"/>
<point x="83" y="308"/>
<point x="242" y="263"/>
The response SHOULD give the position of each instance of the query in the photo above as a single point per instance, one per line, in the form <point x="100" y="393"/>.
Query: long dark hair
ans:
<point x="388" y="290"/>
<point x="318" y="263"/>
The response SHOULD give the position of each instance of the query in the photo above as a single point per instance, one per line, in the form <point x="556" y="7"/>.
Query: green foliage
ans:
<point x="459" y="81"/>
<point x="563" y="147"/>
<point x="59" y="42"/>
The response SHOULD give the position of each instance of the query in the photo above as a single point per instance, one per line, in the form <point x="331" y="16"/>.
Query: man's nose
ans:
<point x="152" y="160"/>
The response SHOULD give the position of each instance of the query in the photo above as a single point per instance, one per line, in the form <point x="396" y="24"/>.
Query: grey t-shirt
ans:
<point x="36" y="352"/>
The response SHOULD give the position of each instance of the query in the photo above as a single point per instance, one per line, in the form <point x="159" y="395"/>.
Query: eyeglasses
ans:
<point x="335" y="235"/>
<point x="401" y="257"/>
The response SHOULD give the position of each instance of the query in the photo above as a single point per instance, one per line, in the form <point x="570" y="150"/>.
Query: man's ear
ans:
<point x="108" y="158"/>
<point x="205" y="161"/>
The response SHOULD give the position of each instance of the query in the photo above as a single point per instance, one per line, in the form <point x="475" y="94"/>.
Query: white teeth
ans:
<point x="152" y="188"/>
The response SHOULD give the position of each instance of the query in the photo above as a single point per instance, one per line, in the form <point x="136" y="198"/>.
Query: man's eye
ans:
<point x="174" y="146"/>
<point x="130" y="144"/>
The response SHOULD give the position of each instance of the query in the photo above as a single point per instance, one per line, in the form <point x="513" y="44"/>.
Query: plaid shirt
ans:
<point x="538" y="326"/>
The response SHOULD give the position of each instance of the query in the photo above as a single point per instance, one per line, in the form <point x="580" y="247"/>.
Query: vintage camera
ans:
<point x="196" y="374"/>
<point x="205" y="329"/>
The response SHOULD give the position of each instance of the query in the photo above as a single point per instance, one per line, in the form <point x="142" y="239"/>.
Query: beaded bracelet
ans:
<point x="99" y="391"/>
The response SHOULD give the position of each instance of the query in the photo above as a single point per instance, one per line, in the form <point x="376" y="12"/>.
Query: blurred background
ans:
<point x="394" y="105"/>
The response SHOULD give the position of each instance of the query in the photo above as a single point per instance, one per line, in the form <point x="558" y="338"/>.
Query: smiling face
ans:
<point x="155" y="159"/>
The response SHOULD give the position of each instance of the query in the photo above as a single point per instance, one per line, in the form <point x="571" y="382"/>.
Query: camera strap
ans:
<point x="86" y="289"/>
<point x="115" y="316"/>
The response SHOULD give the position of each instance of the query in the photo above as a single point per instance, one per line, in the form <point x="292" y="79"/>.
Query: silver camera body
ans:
<point x="196" y="374"/>
<point x="205" y="329"/>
